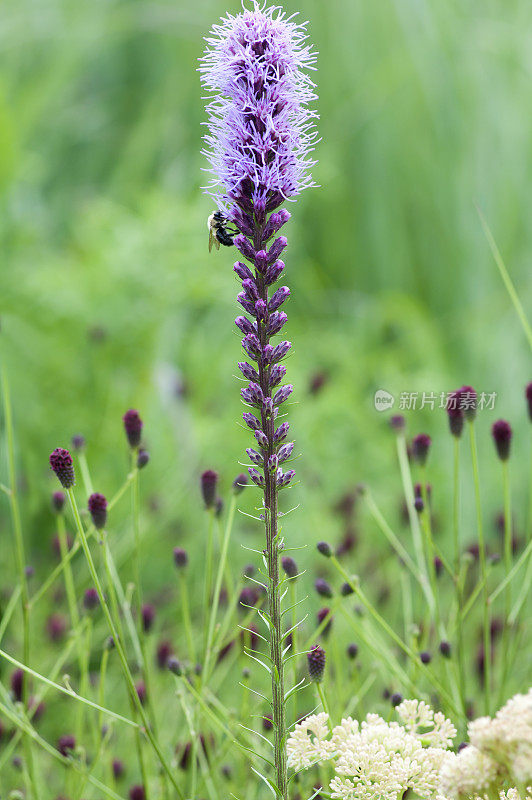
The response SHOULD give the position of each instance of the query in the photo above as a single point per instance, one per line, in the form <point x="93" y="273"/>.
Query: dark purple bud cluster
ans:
<point x="209" y="480"/>
<point x="63" y="466"/>
<point x="502" y="437"/>
<point x="420" y="448"/>
<point x="528" y="397"/>
<point x="97" y="505"/>
<point x="133" y="427"/>
<point x="316" y="663"/>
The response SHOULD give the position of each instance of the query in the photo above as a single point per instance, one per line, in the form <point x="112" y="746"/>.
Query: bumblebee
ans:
<point x="220" y="231"/>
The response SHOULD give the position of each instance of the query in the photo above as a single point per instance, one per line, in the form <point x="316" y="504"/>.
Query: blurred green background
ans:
<point x="110" y="299"/>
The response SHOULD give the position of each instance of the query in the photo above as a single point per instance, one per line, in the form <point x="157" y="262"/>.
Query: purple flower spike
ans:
<point x="209" y="480"/>
<point x="133" y="427"/>
<point x="255" y="68"/>
<point x="316" y="663"/>
<point x="58" y="501"/>
<point x="180" y="557"/>
<point x="420" y="448"/>
<point x="63" y="466"/>
<point x="528" y="396"/>
<point x="502" y="436"/>
<point x="97" y="505"/>
<point x="282" y="394"/>
<point x="278" y="298"/>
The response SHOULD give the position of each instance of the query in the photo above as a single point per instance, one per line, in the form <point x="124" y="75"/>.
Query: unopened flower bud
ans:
<point x="325" y="549"/>
<point x="133" y="427"/>
<point x="502" y="436"/>
<point x="63" y="466"/>
<point x="240" y="483"/>
<point x="97" y="505"/>
<point x="290" y="567"/>
<point x="316" y="663"/>
<point x="420" y="448"/>
<point x="209" y="480"/>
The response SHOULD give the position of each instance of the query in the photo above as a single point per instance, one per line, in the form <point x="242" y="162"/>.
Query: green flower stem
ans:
<point x="483" y="570"/>
<point x="21" y="564"/>
<point x="9" y="610"/>
<point x="460" y="657"/>
<point x="294" y="626"/>
<point x="408" y="491"/>
<point x="187" y="623"/>
<point x="429" y="543"/>
<point x="323" y="700"/>
<point x="207" y="585"/>
<point x="217" y="588"/>
<point x="85" y="474"/>
<point x="121" y="654"/>
<point x="508" y="558"/>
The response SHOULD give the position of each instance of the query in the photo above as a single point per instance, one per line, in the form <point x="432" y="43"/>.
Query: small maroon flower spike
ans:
<point x="502" y="436"/>
<point x="468" y="402"/>
<point x="420" y="448"/>
<point x="240" y="483"/>
<point x="528" y="395"/>
<point x="323" y="588"/>
<point x="322" y="614"/>
<point x="180" y="557"/>
<point x="78" y="442"/>
<point x="398" y="423"/>
<point x="91" y="599"/>
<point x="97" y="505"/>
<point x="137" y="793"/>
<point x="66" y="744"/>
<point x="143" y="458"/>
<point x="56" y="627"/>
<point x="148" y="617"/>
<point x="290" y="567"/>
<point x="58" y="501"/>
<point x="17" y="685"/>
<point x="455" y="413"/>
<point x="133" y="427"/>
<point x="316" y="663"/>
<point x="140" y="689"/>
<point x="209" y="479"/>
<point x="164" y="651"/>
<point x="118" y="769"/>
<point x="63" y="466"/>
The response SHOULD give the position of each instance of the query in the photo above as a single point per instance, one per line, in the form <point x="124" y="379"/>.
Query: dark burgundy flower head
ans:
<point x="290" y="567"/>
<point x="420" y="448"/>
<point x="445" y="649"/>
<point x="58" y="501"/>
<point x="63" y="466"/>
<point x="91" y="599"/>
<point x="398" y="423"/>
<point x="140" y="689"/>
<point x="133" y="427"/>
<point x="320" y="616"/>
<point x="240" y="483"/>
<point x="97" y="505"/>
<point x="17" y="684"/>
<point x="528" y="395"/>
<point x="396" y="699"/>
<point x="209" y="479"/>
<point x="66" y="744"/>
<point x="164" y="651"/>
<point x="143" y="458"/>
<point x="56" y="627"/>
<point x="137" y="793"/>
<point x="425" y="657"/>
<point x="468" y="402"/>
<point x="180" y="557"/>
<point x="249" y="596"/>
<point x="174" y="665"/>
<point x="78" y="442"/>
<point x="455" y="413"/>
<point x="118" y="769"/>
<point x="352" y="650"/>
<point x="323" y="588"/>
<point x="316" y="663"/>
<point x="148" y="617"/>
<point x="324" y="548"/>
<point x="502" y="436"/>
<point x="267" y="722"/>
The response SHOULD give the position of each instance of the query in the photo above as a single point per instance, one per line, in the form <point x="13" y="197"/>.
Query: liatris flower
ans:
<point x="97" y="505"/>
<point x="420" y="448"/>
<point x="260" y="134"/>
<point x="63" y="466"/>
<point x="58" y="501"/>
<point x="502" y="436"/>
<point x="133" y="427"/>
<point x="316" y="663"/>
<point x="209" y="480"/>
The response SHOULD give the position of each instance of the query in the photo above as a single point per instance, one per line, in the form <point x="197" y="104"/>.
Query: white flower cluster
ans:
<point x="376" y="758"/>
<point x="499" y="754"/>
